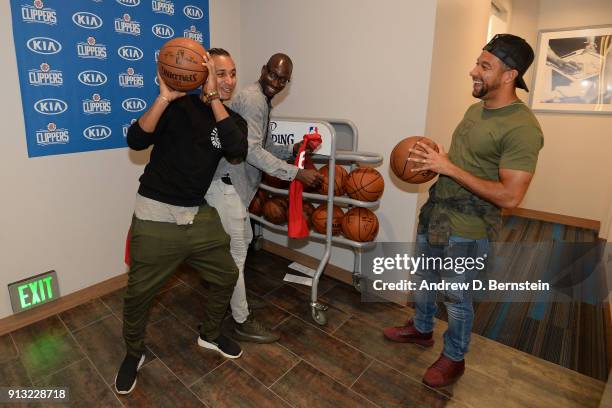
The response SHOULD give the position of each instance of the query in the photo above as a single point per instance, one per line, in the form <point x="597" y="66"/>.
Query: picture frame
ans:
<point x="573" y="71"/>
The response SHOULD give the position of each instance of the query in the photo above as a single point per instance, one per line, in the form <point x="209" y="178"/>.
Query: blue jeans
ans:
<point x="458" y="302"/>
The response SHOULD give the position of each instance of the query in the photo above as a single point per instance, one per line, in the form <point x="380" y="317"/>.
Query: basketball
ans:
<point x="340" y="178"/>
<point x="319" y="219"/>
<point x="275" y="211"/>
<point x="180" y="64"/>
<point x="308" y="209"/>
<point x="256" y="206"/>
<point x="403" y="168"/>
<point x="364" y="184"/>
<point x="360" y="224"/>
<point x="275" y="182"/>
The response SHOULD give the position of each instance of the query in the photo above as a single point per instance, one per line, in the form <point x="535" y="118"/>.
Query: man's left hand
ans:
<point x="432" y="160"/>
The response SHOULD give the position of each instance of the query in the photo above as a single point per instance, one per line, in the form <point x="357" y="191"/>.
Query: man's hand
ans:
<point x="211" y="80"/>
<point x="309" y="177"/>
<point x="166" y="92"/>
<point x="432" y="160"/>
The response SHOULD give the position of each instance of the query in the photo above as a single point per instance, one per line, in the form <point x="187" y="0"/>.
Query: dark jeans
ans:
<point x="156" y="250"/>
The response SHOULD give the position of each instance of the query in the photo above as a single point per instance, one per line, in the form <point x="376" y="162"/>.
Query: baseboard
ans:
<point x="19" y="320"/>
<point x="556" y="218"/>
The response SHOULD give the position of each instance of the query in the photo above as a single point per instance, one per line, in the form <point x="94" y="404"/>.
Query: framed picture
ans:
<point x="573" y="71"/>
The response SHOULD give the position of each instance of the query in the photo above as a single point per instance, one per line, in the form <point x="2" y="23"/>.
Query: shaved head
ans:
<point x="276" y="74"/>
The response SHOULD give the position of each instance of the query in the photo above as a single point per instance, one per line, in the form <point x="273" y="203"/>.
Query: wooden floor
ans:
<point x="348" y="363"/>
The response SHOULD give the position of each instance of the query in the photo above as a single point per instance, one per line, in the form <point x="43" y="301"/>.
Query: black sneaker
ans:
<point x="253" y="331"/>
<point x="224" y="345"/>
<point x="125" y="381"/>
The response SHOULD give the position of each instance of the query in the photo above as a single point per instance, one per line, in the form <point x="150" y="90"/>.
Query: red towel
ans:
<point x="297" y="224"/>
<point x="127" y="247"/>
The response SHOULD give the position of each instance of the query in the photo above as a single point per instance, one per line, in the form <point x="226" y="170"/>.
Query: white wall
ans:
<point x="69" y="212"/>
<point x="575" y="166"/>
<point x="366" y="61"/>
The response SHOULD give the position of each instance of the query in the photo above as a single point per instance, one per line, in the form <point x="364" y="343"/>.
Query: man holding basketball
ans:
<point x="489" y="166"/>
<point x="235" y="185"/>
<point x="172" y="222"/>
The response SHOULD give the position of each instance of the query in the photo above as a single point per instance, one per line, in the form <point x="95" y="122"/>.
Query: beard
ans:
<point x="485" y="89"/>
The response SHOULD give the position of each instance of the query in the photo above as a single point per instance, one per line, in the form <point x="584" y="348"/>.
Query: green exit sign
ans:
<point x="35" y="291"/>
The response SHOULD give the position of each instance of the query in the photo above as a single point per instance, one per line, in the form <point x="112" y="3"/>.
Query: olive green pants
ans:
<point x="156" y="250"/>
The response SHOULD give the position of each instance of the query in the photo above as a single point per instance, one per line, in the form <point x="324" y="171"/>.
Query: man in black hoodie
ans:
<point x="172" y="222"/>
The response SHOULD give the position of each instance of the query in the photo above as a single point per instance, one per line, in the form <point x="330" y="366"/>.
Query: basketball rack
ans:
<point x="344" y="140"/>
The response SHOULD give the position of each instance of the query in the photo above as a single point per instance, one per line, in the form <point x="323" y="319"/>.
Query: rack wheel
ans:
<point x="256" y="244"/>
<point x="357" y="283"/>
<point x="319" y="316"/>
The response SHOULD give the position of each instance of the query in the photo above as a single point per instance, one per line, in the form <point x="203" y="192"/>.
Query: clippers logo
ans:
<point x="45" y="76"/>
<point x="91" y="50"/>
<point x="38" y="13"/>
<point x="133" y="105"/>
<point x="52" y="135"/>
<point x="214" y="139"/>
<point x="96" y="105"/>
<point x="125" y="25"/>
<point x="87" y="20"/>
<point x="92" y="78"/>
<point x="129" y="3"/>
<point x="127" y="126"/>
<point x="156" y="80"/>
<point x="162" y="7"/>
<point x="193" y="12"/>
<point x="156" y="55"/>
<point x="162" y="31"/>
<point x="130" y="79"/>
<point x="44" y="45"/>
<point x="50" y="106"/>
<point x="130" y="53"/>
<point x="97" y="132"/>
<point x="194" y="34"/>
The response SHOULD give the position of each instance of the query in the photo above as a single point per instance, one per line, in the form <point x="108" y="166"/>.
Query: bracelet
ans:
<point x="164" y="99"/>
<point x="211" y="96"/>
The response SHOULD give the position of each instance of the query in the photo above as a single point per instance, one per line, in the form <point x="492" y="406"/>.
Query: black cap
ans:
<point x="514" y="52"/>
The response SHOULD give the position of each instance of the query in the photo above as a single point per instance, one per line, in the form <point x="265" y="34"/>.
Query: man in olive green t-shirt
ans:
<point x="489" y="166"/>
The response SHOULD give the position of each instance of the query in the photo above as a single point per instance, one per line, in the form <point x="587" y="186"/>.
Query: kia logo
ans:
<point x="50" y="106"/>
<point x="130" y="53"/>
<point x="193" y="12"/>
<point x="92" y="78"/>
<point x="134" y="105"/>
<point x="97" y="132"/>
<point x="86" y="20"/>
<point x="129" y="3"/>
<point x="44" y="45"/>
<point x="162" y="31"/>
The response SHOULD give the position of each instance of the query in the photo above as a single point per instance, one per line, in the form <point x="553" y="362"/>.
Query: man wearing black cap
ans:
<point x="489" y="166"/>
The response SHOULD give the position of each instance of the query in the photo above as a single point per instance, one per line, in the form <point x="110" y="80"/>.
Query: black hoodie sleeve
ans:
<point x="233" y="135"/>
<point x="138" y="139"/>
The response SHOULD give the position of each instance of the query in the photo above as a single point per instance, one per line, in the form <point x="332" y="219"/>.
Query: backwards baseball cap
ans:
<point x="514" y="52"/>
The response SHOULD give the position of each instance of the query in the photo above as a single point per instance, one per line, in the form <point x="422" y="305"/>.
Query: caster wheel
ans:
<point x="320" y="317"/>
<point x="256" y="244"/>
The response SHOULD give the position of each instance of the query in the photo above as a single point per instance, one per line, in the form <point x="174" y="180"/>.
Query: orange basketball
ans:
<point x="256" y="206"/>
<point x="339" y="178"/>
<point x="180" y="64"/>
<point x="360" y="224"/>
<point x="308" y="209"/>
<point x="275" y="210"/>
<point x="275" y="182"/>
<point x="319" y="219"/>
<point x="364" y="184"/>
<point x="403" y="168"/>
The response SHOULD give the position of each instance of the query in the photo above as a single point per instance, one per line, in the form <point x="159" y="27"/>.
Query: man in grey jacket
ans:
<point x="234" y="186"/>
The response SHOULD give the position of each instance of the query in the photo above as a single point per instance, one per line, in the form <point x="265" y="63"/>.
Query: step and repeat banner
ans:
<point x="87" y="68"/>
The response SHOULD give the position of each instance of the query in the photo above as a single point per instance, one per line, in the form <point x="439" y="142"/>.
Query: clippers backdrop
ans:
<point x="87" y="68"/>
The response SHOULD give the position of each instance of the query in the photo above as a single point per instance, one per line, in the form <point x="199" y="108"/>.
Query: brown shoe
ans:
<point x="409" y="334"/>
<point x="443" y="372"/>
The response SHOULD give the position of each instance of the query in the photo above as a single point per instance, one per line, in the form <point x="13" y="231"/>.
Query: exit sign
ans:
<point x="35" y="291"/>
